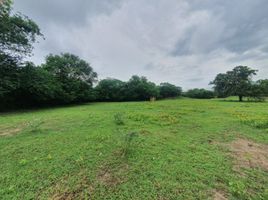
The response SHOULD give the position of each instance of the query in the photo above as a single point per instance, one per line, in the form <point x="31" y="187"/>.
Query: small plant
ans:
<point x="128" y="140"/>
<point x="119" y="119"/>
<point x="35" y="125"/>
<point x="238" y="188"/>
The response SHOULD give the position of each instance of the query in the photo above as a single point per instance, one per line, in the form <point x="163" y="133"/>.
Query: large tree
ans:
<point x="236" y="82"/>
<point x="110" y="90"/>
<point x="37" y="86"/>
<point x="17" y="35"/>
<point x="200" y="93"/>
<point x="68" y="66"/>
<point x="169" y="90"/>
<point x="75" y="76"/>
<point x="17" y="32"/>
<point x="264" y="86"/>
<point x="140" y="89"/>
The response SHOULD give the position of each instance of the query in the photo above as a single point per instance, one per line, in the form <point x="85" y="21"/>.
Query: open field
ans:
<point x="171" y="149"/>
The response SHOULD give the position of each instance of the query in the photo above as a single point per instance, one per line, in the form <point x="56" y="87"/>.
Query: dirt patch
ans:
<point x="219" y="195"/>
<point x="107" y="178"/>
<point x="111" y="177"/>
<point x="10" y="131"/>
<point x="63" y="190"/>
<point x="248" y="154"/>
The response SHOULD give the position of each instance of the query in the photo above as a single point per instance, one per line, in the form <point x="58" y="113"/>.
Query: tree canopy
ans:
<point x="66" y="78"/>
<point x="200" y="93"/>
<point x="168" y="90"/>
<point x="18" y="32"/>
<point x="236" y="82"/>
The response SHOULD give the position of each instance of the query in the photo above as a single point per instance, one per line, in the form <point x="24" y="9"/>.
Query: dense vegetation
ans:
<point x="238" y="82"/>
<point x="66" y="78"/>
<point x="200" y="94"/>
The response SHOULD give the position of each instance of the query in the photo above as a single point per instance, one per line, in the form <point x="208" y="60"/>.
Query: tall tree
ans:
<point x="17" y="34"/>
<point x="75" y="76"/>
<point x="236" y="82"/>
<point x="200" y="93"/>
<point x="37" y="86"/>
<point x="139" y="88"/>
<point x="263" y="84"/>
<point x="110" y="90"/>
<point x="66" y="66"/>
<point x="169" y="90"/>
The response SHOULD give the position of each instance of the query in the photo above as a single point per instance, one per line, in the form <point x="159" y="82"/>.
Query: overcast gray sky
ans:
<point x="185" y="42"/>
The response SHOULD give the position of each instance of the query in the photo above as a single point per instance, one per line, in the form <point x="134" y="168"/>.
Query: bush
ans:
<point x="118" y="119"/>
<point x="200" y="94"/>
<point x="168" y="90"/>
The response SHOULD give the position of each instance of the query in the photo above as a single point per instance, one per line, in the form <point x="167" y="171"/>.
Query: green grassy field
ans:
<point x="171" y="149"/>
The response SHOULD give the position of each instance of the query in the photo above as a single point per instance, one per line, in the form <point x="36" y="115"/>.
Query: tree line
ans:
<point x="66" y="78"/>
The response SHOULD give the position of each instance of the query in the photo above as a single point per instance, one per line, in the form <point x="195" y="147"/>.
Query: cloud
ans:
<point x="184" y="42"/>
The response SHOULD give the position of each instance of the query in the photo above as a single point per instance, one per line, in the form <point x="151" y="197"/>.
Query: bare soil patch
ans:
<point x="219" y="195"/>
<point x="109" y="177"/>
<point x="248" y="154"/>
<point x="10" y="131"/>
<point x="63" y="191"/>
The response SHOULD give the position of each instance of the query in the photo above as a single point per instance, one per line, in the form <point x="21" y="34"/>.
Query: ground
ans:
<point x="170" y="149"/>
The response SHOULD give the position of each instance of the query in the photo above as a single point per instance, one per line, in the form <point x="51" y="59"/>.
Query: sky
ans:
<point x="184" y="42"/>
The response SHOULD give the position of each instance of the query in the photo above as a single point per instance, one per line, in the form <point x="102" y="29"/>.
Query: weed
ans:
<point x="34" y="125"/>
<point x="119" y="119"/>
<point x="127" y="144"/>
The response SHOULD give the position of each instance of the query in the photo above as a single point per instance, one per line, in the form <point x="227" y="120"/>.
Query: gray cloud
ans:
<point x="184" y="42"/>
<point x="233" y="25"/>
<point x="65" y="12"/>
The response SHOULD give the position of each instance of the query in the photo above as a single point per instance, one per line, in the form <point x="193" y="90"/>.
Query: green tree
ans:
<point x="236" y="82"/>
<point x="37" y="86"/>
<point x="110" y="90"/>
<point x="264" y="86"/>
<point x="75" y="76"/>
<point x="68" y="66"/>
<point x="168" y="90"/>
<point x="140" y="89"/>
<point x="200" y="93"/>
<point x="17" y="34"/>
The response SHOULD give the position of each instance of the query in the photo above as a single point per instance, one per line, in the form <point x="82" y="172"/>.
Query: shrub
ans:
<point x="200" y="94"/>
<point x="128" y="140"/>
<point x="169" y="90"/>
<point x="119" y="119"/>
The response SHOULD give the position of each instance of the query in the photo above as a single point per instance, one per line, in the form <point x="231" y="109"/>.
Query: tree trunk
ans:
<point x="240" y="98"/>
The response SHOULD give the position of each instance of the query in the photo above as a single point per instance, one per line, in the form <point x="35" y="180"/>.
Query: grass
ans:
<point x="137" y="150"/>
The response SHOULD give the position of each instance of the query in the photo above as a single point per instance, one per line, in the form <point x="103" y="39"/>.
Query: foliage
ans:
<point x="67" y="67"/>
<point x="139" y="89"/>
<point x="263" y="84"/>
<point x="136" y="89"/>
<point x="118" y="118"/>
<point x="37" y="86"/>
<point x="9" y="80"/>
<point x="74" y="75"/>
<point x="110" y="90"/>
<point x="256" y="92"/>
<point x="168" y="90"/>
<point x="128" y="142"/>
<point x="236" y="82"/>
<point x="200" y="94"/>
<point x="17" y="34"/>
